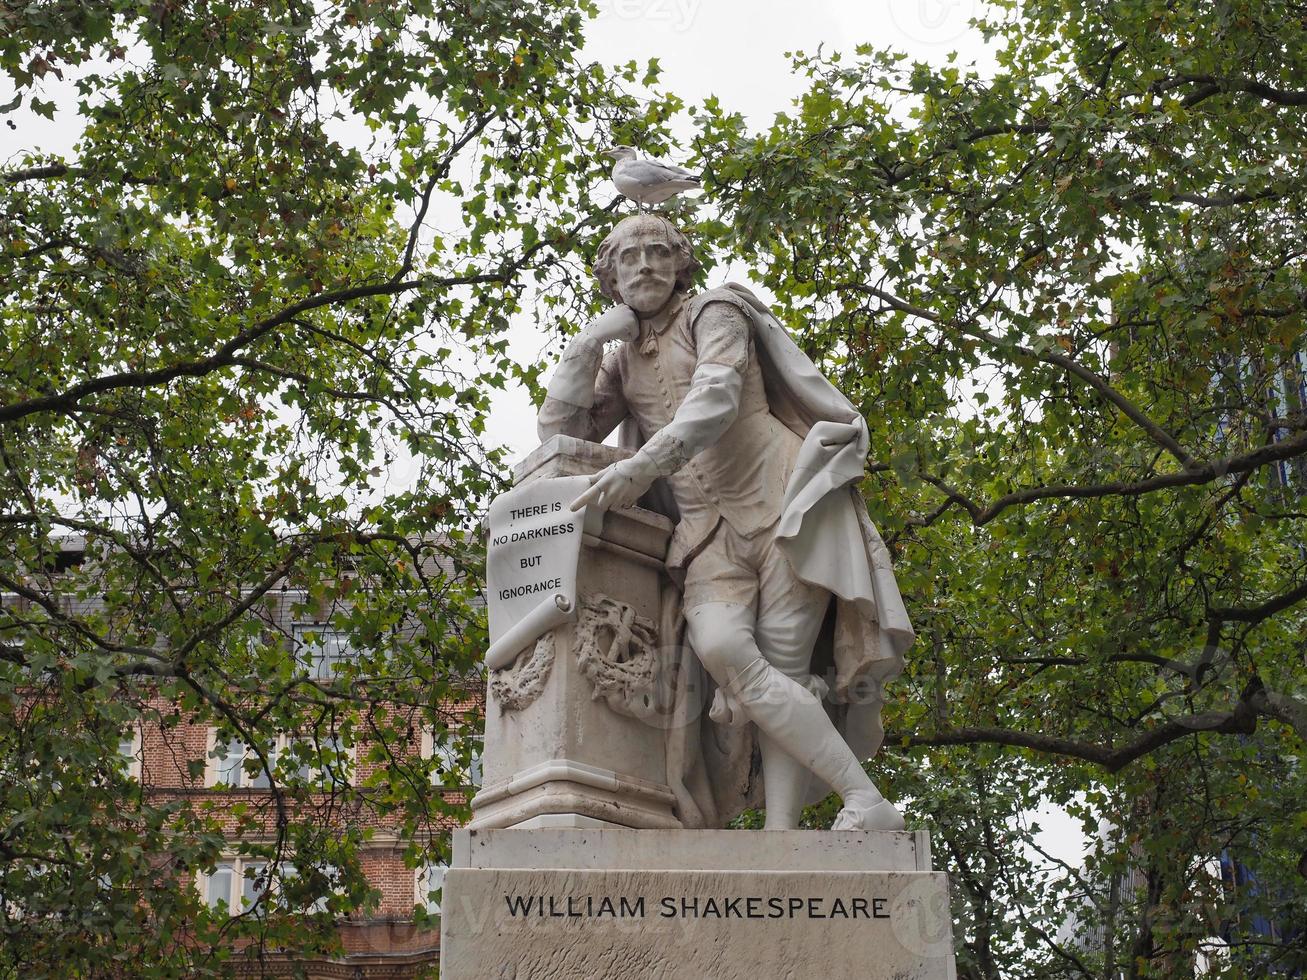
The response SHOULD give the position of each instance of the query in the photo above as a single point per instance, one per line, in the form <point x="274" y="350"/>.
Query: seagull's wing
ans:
<point x="674" y="171"/>
<point x="650" y="173"/>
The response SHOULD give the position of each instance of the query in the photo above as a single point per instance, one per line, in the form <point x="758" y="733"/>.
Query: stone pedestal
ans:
<point x="575" y="864"/>
<point x="568" y="743"/>
<point x="730" y="905"/>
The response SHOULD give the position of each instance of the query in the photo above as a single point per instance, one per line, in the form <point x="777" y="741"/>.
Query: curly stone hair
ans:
<point x="605" y="264"/>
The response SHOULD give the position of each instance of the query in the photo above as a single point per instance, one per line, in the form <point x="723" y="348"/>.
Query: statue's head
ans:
<point x="643" y="261"/>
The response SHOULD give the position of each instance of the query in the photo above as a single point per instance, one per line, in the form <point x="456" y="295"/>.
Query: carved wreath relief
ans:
<point x="615" y="649"/>
<point x="522" y="682"/>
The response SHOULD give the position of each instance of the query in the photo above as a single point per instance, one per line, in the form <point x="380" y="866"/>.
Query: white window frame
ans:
<point x="320" y="776"/>
<point x="318" y="657"/>
<point x="289" y="870"/>
<point x="130" y="761"/>
<point x="217" y="766"/>
<point x="471" y="775"/>
<point x="237" y="899"/>
<point x="422" y="885"/>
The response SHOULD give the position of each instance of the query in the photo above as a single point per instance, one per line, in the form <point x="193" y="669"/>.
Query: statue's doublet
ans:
<point x="740" y="477"/>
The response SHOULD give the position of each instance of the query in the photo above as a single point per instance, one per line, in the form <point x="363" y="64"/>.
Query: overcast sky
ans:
<point x="735" y="49"/>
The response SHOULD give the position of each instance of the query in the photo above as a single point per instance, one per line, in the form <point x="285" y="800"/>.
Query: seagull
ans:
<point x="648" y="181"/>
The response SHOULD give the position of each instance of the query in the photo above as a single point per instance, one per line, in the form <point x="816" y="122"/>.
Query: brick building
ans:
<point x="386" y="943"/>
<point x="315" y="777"/>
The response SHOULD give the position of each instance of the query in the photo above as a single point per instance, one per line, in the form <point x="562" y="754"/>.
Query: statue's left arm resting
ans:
<point x="584" y="398"/>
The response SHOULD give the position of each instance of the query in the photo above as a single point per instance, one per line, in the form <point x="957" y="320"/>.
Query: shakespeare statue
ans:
<point x="786" y="595"/>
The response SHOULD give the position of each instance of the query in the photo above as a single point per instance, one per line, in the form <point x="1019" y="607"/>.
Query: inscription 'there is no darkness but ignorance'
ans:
<point x="532" y="557"/>
<point x="527" y="566"/>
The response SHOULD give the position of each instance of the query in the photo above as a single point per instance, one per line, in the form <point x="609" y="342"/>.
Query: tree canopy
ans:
<point x="1068" y="295"/>
<point x="249" y="330"/>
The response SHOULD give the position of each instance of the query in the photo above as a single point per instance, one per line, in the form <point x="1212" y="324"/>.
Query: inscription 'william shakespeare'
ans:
<point x="694" y="907"/>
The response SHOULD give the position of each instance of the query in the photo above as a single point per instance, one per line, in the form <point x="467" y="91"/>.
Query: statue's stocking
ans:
<point x="784" y="780"/>
<point x="787" y="712"/>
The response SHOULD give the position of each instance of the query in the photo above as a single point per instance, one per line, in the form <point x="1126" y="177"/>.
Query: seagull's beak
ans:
<point x="610" y="153"/>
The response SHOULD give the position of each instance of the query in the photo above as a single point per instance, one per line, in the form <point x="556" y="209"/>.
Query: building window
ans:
<point x="129" y="753"/>
<point x="323" y="760"/>
<point x="430" y="880"/>
<point x="235" y="884"/>
<point x="321" y="649"/>
<point x="227" y="765"/>
<point x="452" y="769"/>
<point x="330" y="876"/>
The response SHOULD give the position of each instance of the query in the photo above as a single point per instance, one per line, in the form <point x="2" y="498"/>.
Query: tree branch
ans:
<point x="36" y="173"/>
<point x="1256" y="614"/>
<point x="1211" y="84"/>
<point x="1241" y="719"/>
<point x="223" y="357"/>
<point x="50" y="170"/>
<point x="58" y="616"/>
<point x="1285" y="708"/>
<point x="1196" y="474"/>
<point x="424" y="201"/>
<point x="1225" y="200"/>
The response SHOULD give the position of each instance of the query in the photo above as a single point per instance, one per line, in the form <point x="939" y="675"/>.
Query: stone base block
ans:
<point x="556" y="792"/>
<point x="727" y="905"/>
<point x="568" y="821"/>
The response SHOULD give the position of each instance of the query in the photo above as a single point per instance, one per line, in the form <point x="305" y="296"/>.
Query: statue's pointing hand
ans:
<point x="619" y="485"/>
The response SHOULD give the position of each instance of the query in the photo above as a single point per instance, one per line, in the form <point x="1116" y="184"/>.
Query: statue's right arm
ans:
<point x="584" y="398"/>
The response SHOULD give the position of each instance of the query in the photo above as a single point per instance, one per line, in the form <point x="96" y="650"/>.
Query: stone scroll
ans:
<point x="531" y="563"/>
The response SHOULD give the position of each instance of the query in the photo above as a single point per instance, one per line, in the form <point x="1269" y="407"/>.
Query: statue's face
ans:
<point x="645" y="267"/>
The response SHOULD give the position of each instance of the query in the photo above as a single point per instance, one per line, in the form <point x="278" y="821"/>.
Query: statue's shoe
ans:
<point x="881" y="816"/>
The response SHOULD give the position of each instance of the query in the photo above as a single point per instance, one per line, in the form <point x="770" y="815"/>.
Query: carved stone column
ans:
<point x="572" y="738"/>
